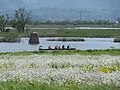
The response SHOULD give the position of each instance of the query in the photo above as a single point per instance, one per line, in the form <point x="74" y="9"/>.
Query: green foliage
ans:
<point x="68" y="33"/>
<point x="88" y="68"/>
<point x="57" y="65"/>
<point x="12" y="37"/>
<point x="69" y="85"/>
<point x="109" y="69"/>
<point x="32" y="65"/>
<point x="3" y="22"/>
<point x="73" y="22"/>
<point x="13" y="23"/>
<point x="86" y="52"/>
<point x="117" y="40"/>
<point x="27" y="85"/>
<point x="77" y="33"/>
<point x="22" y="18"/>
<point x="67" y="52"/>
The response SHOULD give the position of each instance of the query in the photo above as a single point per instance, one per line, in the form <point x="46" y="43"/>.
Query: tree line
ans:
<point x="75" y="22"/>
<point x="22" y="18"/>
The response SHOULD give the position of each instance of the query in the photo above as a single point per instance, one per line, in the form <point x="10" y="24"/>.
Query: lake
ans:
<point x="89" y="43"/>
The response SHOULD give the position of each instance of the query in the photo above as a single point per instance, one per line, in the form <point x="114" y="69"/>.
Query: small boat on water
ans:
<point x="59" y="49"/>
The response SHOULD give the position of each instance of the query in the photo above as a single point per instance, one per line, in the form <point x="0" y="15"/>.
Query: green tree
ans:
<point x="22" y="18"/>
<point x="3" y="22"/>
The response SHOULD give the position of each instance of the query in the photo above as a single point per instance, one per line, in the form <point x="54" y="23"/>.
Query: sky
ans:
<point x="108" y="7"/>
<point x="35" y="4"/>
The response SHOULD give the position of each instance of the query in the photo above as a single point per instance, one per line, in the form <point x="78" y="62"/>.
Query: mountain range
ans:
<point x="65" y="9"/>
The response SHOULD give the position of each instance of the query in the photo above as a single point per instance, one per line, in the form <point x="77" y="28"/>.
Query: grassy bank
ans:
<point x="34" y="85"/>
<point x="79" y="33"/>
<point x="69" y="52"/>
<point x="67" y="33"/>
<point x="9" y="37"/>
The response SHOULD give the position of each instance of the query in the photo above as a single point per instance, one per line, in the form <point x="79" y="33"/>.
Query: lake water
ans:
<point x="89" y="43"/>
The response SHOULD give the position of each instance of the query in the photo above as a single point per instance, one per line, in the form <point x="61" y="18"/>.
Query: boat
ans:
<point x="58" y="49"/>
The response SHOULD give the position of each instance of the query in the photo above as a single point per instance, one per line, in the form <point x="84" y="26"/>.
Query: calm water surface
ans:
<point x="90" y="43"/>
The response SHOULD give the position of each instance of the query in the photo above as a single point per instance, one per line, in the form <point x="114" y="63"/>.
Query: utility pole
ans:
<point x="80" y="16"/>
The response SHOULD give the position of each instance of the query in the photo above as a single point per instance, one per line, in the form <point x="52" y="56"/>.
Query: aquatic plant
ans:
<point x="117" y="40"/>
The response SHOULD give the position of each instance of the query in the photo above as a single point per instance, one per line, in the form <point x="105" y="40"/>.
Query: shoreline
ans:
<point x="66" y="52"/>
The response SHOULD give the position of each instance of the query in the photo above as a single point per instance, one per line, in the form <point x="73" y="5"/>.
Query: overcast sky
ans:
<point x="35" y="4"/>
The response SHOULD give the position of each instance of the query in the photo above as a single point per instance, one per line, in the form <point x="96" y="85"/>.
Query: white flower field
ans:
<point x="90" y="69"/>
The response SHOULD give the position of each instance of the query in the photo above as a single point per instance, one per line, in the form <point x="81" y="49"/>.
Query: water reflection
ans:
<point x="90" y="43"/>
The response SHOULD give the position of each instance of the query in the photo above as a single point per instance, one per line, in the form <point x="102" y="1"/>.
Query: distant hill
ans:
<point x="65" y="9"/>
<point x="69" y="14"/>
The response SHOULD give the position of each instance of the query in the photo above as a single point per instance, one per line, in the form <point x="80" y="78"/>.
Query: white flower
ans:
<point x="60" y="68"/>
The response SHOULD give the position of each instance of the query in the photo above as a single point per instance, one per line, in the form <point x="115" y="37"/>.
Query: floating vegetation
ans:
<point x="67" y="39"/>
<point x="117" y="40"/>
<point x="10" y="38"/>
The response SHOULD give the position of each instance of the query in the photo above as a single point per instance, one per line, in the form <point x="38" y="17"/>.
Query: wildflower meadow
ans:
<point x="61" y="70"/>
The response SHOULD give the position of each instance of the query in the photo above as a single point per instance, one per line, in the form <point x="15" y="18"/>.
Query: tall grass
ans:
<point x="34" y="85"/>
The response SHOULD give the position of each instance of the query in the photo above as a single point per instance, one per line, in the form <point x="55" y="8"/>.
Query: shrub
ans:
<point x="10" y="38"/>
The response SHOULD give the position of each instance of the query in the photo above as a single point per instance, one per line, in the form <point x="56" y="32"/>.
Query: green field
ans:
<point x="34" y="85"/>
<point x="79" y="33"/>
<point x="68" y="33"/>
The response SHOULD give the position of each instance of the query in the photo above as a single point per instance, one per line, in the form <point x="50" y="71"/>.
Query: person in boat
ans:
<point x="68" y="47"/>
<point x="63" y="46"/>
<point x="40" y="47"/>
<point x="56" y="47"/>
<point x="59" y="47"/>
<point x="49" y="47"/>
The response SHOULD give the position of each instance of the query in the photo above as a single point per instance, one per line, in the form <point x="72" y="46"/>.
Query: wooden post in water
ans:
<point x="34" y="38"/>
